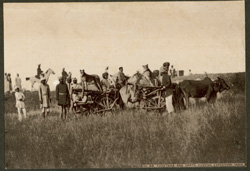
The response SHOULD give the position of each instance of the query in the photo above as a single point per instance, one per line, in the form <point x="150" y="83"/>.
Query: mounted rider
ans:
<point x="64" y="74"/>
<point x="39" y="72"/>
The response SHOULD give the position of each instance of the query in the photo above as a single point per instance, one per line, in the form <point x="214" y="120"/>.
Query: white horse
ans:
<point x="129" y="92"/>
<point x="34" y="80"/>
<point x="113" y="79"/>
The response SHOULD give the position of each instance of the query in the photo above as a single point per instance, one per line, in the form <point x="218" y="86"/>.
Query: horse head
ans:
<point x="134" y="79"/>
<point x="47" y="74"/>
<point x="49" y="71"/>
<point x="113" y="79"/>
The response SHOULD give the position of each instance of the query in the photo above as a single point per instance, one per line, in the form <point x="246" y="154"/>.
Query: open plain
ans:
<point x="206" y="133"/>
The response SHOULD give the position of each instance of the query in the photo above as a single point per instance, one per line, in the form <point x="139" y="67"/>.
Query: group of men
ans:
<point x="8" y="87"/>
<point x="62" y="92"/>
<point x="65" y="94"/>
<point x="160" y="77"/>
<point x="107" y="83"/>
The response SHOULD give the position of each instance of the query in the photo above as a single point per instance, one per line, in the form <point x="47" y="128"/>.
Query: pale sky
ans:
<point x="201" y="36"/>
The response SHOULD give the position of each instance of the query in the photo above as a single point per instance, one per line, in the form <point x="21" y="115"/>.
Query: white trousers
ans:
<point x="20" y="115"/>
<point x="169" y="104"/>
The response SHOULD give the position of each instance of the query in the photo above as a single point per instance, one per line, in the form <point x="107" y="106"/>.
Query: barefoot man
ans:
<point x="62" y="97"/>
<point x="44" y="97"/>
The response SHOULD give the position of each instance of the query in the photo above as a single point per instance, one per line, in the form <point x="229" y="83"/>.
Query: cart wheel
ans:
<point x="91" y="110"/>
<point x="84" y="111"/>
<point x="160" y="102"/>
<point x="143" y="104"/>
<point x="104" y="104"/>
<point x="77" y="110"/>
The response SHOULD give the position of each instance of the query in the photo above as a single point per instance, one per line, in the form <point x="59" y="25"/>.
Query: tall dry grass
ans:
<point x="209" y="133"/>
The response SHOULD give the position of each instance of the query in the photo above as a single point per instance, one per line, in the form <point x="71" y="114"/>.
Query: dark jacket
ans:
<point x="62" y="94"/>
<point x="69" y="79"/>
<point x="166" y="81"/>
<point x="39" y="71"/>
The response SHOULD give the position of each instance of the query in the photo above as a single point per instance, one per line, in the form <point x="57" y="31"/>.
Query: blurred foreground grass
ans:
<point x="211" y="133"/>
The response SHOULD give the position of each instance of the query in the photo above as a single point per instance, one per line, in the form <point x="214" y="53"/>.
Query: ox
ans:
<point x="202" y="88"/>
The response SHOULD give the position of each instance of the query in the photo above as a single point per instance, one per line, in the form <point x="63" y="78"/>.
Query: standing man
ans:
<point x="39" y="71"/>
<point x="190" y="73"/>
<point x="64" y="74"/>
<point x="44" y="97"/>
<point x="6" y="83"/>
<point x="121" y="77"/>
<point x="172" y="71"/>
<point x="166" y="82"/>
<point x="10" y="82"/>
<point x="72" y="93"/>
<point x="62" y="97"/>
<point x="20" y="103"/>
<point x="163" y="69"/>
<point x="18" y="82"/>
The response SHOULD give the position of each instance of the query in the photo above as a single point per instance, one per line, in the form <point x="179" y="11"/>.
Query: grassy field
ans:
<point x="211" y="133"/>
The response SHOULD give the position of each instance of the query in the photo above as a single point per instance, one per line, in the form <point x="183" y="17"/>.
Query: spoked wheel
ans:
<point x="154" y="103"/>
<point x="105" y="104"/>
<point x="159" y="101"/>
<point x="91" y="110"/>
<point x="143" y="105"/>
<point x="84" y="110"/>
<point x="76" y="109"/>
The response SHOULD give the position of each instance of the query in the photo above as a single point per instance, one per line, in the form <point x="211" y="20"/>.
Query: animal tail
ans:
<point x="27" y="78"/>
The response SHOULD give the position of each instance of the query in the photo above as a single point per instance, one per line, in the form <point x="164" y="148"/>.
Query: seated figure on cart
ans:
<point x="76" y="95"/>
<point x="105" y="83"/>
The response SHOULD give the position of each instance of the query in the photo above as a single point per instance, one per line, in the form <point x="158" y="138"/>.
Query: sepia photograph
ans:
<point x="125" y="85"/>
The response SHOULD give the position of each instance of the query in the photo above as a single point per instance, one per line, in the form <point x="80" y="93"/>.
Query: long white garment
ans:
<point x="169" y="104"/>
<point x="6" y="84"/>
<point x="20" y="100"/>
<point x="20" y="115"/>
